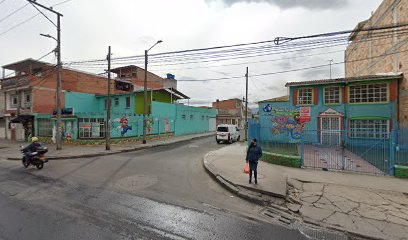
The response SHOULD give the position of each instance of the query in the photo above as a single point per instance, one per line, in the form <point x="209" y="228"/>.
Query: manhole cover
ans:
<point x="135" y="182"/>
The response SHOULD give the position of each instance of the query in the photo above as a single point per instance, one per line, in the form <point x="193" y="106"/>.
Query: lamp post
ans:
<point x="145" y="92"/>
<point x="58" y="51"/>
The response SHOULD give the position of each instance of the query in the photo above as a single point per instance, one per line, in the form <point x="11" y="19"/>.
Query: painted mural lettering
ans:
<point x="287" y="122"/>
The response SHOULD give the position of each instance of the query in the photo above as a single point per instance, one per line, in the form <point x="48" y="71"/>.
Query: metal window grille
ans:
<point x="183" y="117"/>
<point x="369" y="93"/>
<point x="306" y="96"/>
<point x="116" y="101"/>
<point x="191" y="117"/>
<point x="332" y="95"/>
<point x="44" y="127"/>
<point x="378" y="129"/>
<point x="91" y="127"/>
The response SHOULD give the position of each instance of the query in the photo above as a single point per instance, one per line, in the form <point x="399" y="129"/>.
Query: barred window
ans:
<point x="183" y="117"/>
<point x="91" y="127"/>
<point x="369" y="93"/>
<point x="369" y="128"/>
<point x="13" y="101"/>
<point x="44" y="127"/>
<point x="191" y="117"/>
<point x="331" y="95"/>
<point x="305" y="96"/>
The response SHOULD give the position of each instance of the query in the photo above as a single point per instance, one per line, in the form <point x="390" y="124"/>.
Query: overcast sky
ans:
<point x="130" y="26"/>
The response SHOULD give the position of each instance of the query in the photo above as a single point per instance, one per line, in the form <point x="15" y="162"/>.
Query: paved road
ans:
<point x="161" y="193"/>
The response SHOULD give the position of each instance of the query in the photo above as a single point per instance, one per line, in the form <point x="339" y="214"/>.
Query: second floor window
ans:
<point x="13" y="101"/>
<point x="116" y="102"/>
<point x="305" y="96"/>
<point x="369" y="93"/>
<point x="127" y="102"/>
<point x="332" y="95"/>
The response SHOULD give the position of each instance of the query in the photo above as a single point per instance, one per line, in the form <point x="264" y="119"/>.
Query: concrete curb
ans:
<point x="112" y="152"/>
<point x="250" y="194"/>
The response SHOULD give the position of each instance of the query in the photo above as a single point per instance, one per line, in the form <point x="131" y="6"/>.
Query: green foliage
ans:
<point x="284" y="160"/>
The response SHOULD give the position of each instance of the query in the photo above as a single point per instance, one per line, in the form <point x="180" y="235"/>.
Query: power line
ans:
<point x="14" y="12"/>
<point x="29" y="19"/>
<point x="292" y="70"/>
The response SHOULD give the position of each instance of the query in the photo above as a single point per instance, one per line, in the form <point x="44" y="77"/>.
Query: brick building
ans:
<point x="378" y="52"/>
<point x="231" y="111"/>
<point x="32" y="92"/>
<point x="135" y="75"/>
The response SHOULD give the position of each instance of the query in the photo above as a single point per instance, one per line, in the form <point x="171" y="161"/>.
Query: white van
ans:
<point x="227" y="133"/>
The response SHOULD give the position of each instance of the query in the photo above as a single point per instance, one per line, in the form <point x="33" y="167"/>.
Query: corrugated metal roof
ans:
<point x="390" y="76"/>
<point x="277" y="99"/>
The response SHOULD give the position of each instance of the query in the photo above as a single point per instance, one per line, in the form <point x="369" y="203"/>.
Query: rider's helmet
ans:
<point x="34" y="139"/>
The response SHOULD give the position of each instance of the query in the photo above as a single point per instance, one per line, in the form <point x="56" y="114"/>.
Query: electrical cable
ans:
<point x="14" y="12"/>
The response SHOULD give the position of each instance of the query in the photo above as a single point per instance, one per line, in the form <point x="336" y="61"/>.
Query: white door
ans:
<point x="330" y="130"/>
<point x="212" y="124"/>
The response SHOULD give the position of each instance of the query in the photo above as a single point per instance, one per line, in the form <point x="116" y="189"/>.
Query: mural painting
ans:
<point x="124" y="126"/>
<point x="286" y="121"/>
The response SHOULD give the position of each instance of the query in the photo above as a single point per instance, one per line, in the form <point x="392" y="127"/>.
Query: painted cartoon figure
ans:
<point x="149" y="125"/>
<point x="166" y="125"/>
<point x="124" y="125"/>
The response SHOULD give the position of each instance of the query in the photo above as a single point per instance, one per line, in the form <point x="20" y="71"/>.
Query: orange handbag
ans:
<point x="246" y="168"/>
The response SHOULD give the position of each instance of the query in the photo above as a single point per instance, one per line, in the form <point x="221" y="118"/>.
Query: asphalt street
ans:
<point x="160" y="193"/>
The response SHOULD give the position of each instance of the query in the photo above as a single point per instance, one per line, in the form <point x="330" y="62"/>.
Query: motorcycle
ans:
<point x="36" y="158"/>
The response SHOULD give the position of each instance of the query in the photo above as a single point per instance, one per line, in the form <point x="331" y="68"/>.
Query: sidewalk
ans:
<point x="363" y="205"/>
<point x="11" y="149"/>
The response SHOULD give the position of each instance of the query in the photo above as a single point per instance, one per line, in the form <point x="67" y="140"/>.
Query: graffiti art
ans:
<point x="287" y="122"/>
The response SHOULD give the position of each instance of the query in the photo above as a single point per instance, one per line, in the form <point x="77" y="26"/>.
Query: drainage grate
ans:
<point x="318" y="233"/>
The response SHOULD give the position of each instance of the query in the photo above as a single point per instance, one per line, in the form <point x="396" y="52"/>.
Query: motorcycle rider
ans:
<point x="31" y="148"/>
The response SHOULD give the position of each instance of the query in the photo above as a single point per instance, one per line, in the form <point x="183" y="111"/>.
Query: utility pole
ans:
<point x="108" y="102"/>
<point x="145" y="99"/>
<point x="145" y="92"/>
<point x="59" y="65"/>
<point x="246" y="106"/>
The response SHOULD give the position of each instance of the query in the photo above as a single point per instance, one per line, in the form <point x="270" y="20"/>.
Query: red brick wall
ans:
<point x="226" y="104"/>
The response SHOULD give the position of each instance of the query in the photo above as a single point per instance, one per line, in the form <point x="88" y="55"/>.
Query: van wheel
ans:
<point x="218" y="141"/>
<point x="230" y="141"/>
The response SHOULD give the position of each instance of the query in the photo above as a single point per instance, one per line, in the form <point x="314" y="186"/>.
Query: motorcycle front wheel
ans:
<point x="26" y="163"/>
<point x="40" y="165"/>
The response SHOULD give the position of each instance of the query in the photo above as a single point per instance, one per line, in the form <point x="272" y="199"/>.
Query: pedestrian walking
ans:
<point x="253" y="155"/>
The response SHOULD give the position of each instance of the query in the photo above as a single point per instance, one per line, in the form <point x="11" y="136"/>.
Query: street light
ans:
<point x="145" y="92"/>
<point x="58" y="51"/>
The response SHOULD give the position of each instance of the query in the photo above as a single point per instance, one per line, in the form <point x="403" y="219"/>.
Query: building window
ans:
<point x="127" y="102"/>
<point x="106" y="104"/>
<point x="191" y="117"/>
<point x="369" y="128"/>
<point x="331" y="95"/>
<point x="183" y="117"/>
<point x="91" y="127"/>
<point x="305" y="96"/>
<point x="44" y="127"/>
<point x="13" y="101"/>
<point x="202" y="118"/>
<point x="116" y="102"/>
<point x="369" y="93"/>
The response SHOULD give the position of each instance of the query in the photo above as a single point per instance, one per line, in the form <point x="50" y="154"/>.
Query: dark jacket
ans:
<point x="32" y="147"/>
<point x="254" y="153"/>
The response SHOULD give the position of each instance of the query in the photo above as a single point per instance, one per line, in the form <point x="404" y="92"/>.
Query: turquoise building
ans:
<point x="84" y="116"/>
<point x="340" y="124"/>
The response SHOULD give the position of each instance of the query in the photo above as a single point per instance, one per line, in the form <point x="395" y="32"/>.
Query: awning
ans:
<point x="22" y="119"/>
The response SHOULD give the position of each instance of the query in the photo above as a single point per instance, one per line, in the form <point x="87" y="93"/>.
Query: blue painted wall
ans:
<point x="278" y="123"/>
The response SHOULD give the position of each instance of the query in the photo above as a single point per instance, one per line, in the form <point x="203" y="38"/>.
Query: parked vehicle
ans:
<point x="36" y="158"/>
<point x="227" y="133"/>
